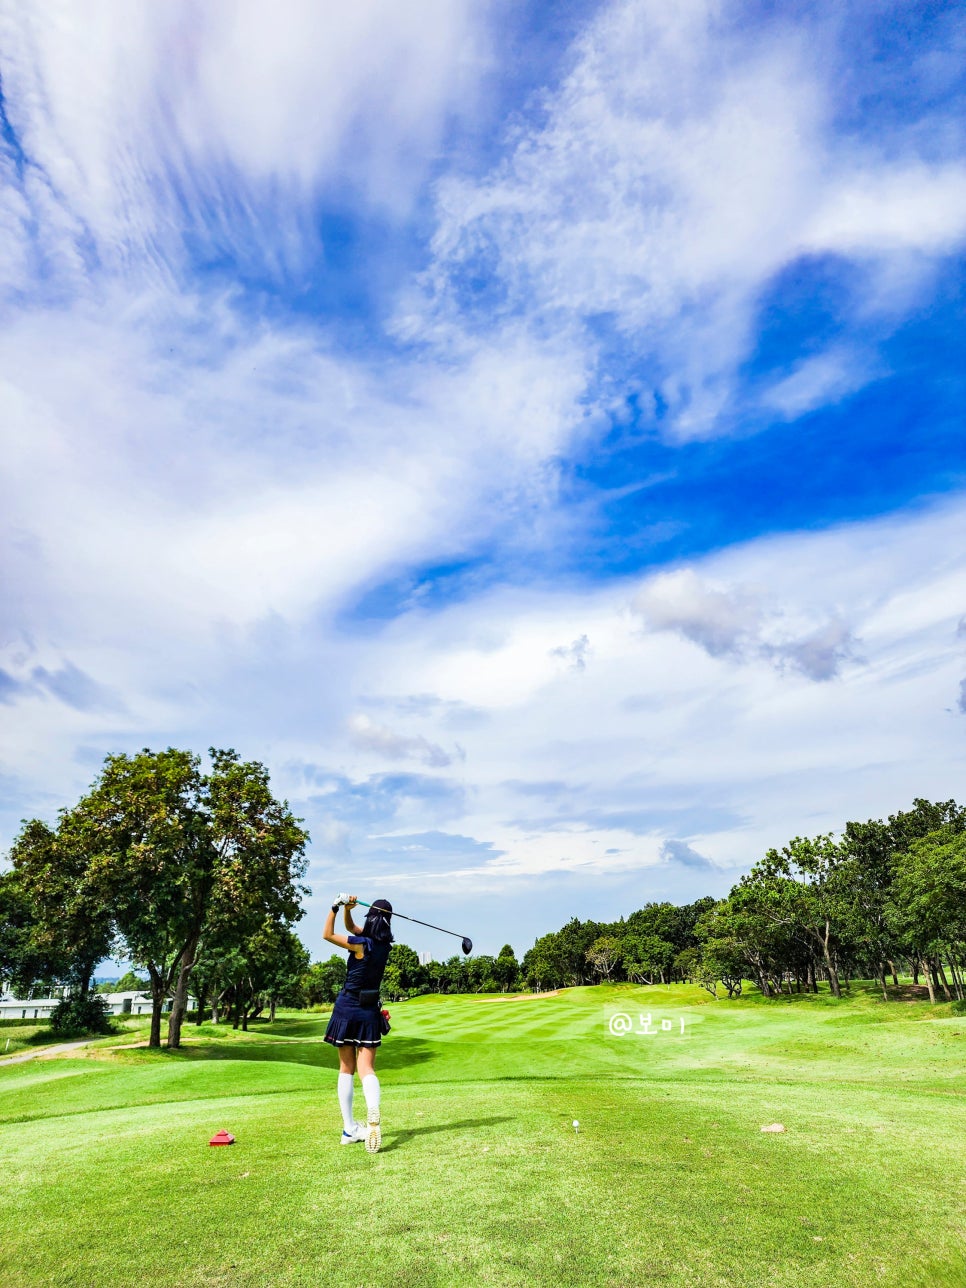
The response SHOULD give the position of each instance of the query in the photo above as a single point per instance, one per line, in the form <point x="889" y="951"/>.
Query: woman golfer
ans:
<point x="356" y="1026"/>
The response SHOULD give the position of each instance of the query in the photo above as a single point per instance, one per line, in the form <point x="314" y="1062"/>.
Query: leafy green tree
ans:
<point x="801" y="889"/>
<point x="480" y="970"/>
<point x="403" y="972"/>
<point x="687" y="964"/>
<point x="721" y="959"/>
<point x="184" y="855"/>
<point x="23" y="961"/>
<point x="544" y="965"/>
<point x="69" y="924"/>
<point x="268" y="970"/>
<point x="506" y="968"/>
<point x="875" y="850"/>
<point x="129" y="983"/>
<point x="324" y="980"/>
<point x="217" y="967"/>
<point x="763" y="941"/>
<point x="604" y="954"/>
<point x="929" y="905"/>
<point x="451" y="976"/>
<point x="570" y="947"/>
<point x="76" y="1014"/>
<point x="156" y="861"/>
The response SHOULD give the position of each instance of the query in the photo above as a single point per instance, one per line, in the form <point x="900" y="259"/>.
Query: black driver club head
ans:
<point x="467" y="946"/>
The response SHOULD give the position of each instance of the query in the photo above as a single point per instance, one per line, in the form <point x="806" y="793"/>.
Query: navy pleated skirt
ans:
<point x="353" y="1025"/>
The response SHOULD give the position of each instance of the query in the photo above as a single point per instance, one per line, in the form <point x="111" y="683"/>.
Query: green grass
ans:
<point x="106" y="1177"/>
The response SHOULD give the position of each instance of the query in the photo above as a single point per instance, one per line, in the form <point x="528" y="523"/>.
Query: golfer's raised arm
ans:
<point x="350" y="925"/>
<point x="329" y="932"/>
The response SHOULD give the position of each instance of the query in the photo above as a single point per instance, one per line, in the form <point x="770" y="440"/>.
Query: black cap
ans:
<point x="383" y="905"/>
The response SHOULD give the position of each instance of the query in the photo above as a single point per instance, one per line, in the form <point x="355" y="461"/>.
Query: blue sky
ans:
<point x="535" y="431"/>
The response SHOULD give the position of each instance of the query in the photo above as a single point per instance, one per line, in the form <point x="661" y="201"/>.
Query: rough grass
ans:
<point x="106" y="1176"/>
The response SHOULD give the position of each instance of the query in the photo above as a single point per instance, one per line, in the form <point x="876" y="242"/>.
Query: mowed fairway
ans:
<point x="107" y="1177"/>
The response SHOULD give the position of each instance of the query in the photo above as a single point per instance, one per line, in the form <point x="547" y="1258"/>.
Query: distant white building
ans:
<point x="130" y="1003"/>
<point x="34" y="1008"/>
<point x="425" y="959"/>
<point x="39" y="1008"/>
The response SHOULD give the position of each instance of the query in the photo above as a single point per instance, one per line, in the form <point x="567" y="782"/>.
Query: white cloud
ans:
<point x="819" y="382"/>
<point x="259" y="474"/>
<point x="914" y="207"/>
<point x="741" y="622"/>
<point x="227" y="122"/>
<point x="722" y="622"/>
<point x="574" y="654"/>
<point x="367" y="735"/>
<point x="676" y="170"/>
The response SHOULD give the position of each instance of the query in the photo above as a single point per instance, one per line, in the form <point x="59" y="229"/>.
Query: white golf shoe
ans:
<point x="352" y="1137"/>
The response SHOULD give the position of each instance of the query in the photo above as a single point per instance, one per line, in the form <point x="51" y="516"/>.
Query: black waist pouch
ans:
<point x="369" y="998"/>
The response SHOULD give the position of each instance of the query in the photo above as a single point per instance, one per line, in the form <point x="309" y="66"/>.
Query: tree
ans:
<point x="762" y="941"/>
<point x="506" y="968"/>
<point x="687" y="964"/>
<point x="451" y="976"/>
<point x="323" y="980"/>
<point x="570" y="947"/>
<point x="604" y="954"/>
<point x="544" y="965"/>
<point x="77" y="1014"/>
<point x="217" y="967"/>
<point x="66" y="922"/>
<point x="184" y="855"/>
<point x="801" y="889"/>
<point x="929" y="905"/>
<point x="259" y="850"/>
<point x="480" y="970"/>
<point x="721" y="959"/>
<point x="876" y="850"/>
<point x="157" y="861"/>
<point x="129" y="983"/>
<point x="22" y="960"/>
<point x="402" y="971"/>
<point x="268" y="970"/>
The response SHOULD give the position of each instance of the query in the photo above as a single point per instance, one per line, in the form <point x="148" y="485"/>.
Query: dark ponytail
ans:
<point x="377" y="927"/>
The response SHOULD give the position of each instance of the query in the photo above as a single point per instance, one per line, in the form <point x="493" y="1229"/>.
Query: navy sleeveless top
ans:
<point x="366" y="972"/>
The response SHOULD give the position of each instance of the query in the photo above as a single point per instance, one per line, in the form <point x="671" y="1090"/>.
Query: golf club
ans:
<point x="467" y="944"/>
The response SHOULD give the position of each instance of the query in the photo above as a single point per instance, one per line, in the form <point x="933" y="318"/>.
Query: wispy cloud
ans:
<point x="676" y="171"/>
<point x="739" y="622"/>
<point x="575" y="654"/>
<point x="682" y="853"/>
<point x="366" y="734"/>
<point x="174" y="136"/>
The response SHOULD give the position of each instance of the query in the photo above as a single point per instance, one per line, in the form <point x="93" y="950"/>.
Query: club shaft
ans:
<point x="455" y="933"/>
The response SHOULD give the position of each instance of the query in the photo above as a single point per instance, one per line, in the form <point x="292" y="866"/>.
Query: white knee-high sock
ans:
<point x="370" y="1089"/>
<point x="345" y="1100"/>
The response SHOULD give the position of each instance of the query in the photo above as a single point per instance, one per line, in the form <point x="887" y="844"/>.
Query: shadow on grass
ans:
<point x="402" y="1138"/>
<point x="395" y="1053"/>
<point x="46" y="1037"/>
<point x="857" y="991"/>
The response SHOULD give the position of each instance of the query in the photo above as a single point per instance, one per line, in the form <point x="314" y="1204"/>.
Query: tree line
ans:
<point x="193" y="875"/>
<point x="883" y="897"/>
<point x="407" y="977"/>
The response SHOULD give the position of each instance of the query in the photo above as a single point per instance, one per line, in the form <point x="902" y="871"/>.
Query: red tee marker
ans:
<point x="222" y="1138"/>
